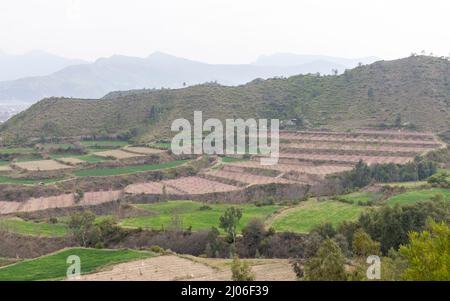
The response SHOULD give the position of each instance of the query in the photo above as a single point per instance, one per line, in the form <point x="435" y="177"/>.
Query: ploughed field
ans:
<point x="184" y="268"/>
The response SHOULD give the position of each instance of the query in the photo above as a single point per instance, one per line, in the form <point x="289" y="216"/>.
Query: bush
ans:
<point x="205" y="208"/>
<point x="241" y="271"/>
<point x="327" y="264"/>
<point x="156" y="249"/>
<point x="428" y="254"/>
<point x="363" y="245"/>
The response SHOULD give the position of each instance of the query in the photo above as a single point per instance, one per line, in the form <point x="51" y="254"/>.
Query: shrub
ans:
<point x="156" y="249"/>
<point x="327" y="264"/>
<point x="241" y="271"/>
<point x="363" y="245"/>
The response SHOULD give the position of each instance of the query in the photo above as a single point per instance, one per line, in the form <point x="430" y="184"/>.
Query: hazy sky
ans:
<point x="229" y="31"/>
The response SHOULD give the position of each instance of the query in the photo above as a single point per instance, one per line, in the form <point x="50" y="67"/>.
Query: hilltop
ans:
<point x="413" y="92"/>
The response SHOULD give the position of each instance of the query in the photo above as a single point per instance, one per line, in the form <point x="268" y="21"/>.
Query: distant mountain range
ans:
<point x="116" y="73"/>
<point x="34" y="63"/>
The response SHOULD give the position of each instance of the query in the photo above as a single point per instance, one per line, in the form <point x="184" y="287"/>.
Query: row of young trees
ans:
<point x="362" y="174"/>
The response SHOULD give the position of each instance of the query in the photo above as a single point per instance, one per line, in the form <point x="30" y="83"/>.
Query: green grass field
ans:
<point x="311" y="213"/>
<point x="414" y="196"/>
<point x="31" y="228"/>
<point x="361" y="197"/>
<point x="231" y="159"/>
<point x="161" y="145"/>
<point x="103" y="143"/>
<point x="55" y="266"/>
<point x="190" y="215"/>
<point x="407" y="184"/>
<point x="9" y="180"/>
<point x="104" y="172"/>
<point x="19" y="150"/>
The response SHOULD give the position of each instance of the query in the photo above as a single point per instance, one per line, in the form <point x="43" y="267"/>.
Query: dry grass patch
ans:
<point x="5" y="168"/>
<point x="143" y="150"/>
<point x="71" y="161"/>
<point x="41" y="165"/>
<point x="117" y="154"/>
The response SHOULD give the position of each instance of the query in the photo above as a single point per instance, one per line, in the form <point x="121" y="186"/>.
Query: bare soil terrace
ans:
<point x="173" y="268"/>
<point x="41" y="165"/>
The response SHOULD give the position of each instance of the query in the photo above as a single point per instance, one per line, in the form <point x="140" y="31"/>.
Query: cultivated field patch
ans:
<point x="31" y="228"/>
<point x="414" y="196"/>
<point x="71" y="161"/>
<point x="194" y="214"/>
<point x="309" y="214"/>
<point x="117" y="154"/>
<point x="172" y="267"/>
<point x="198" y="185"/>
<point x="143" y="150"/>
<point x="41" y="165"/>
<point x="247" y="178"/>
<point x="114" y="171"/>
<point x="60" y="201"/>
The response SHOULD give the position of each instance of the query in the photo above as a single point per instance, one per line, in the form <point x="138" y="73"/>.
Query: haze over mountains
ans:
<point x="33" y="63"/>
<point x="94" y="80"/>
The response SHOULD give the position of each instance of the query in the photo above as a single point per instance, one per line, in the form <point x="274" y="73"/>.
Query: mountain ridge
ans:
<point x="157" y="70"/>
<point x="413" y="92"/>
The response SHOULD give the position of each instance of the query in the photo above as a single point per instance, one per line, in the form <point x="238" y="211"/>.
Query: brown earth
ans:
<point x="171" y="267"/>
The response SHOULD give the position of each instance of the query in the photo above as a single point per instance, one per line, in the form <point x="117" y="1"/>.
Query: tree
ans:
<point x="428" y="254"/>
<point x="359" y="176"/>
<point x="391" y="225"/>
<point x="253" y="234"/>
<point x="363" y="245"/>
<point x="214" y="246"/>
<point x="326" y="230"/>
<point x="83" y="228"/>
<point x="327" y="264"/>
<point x="229" y="221"/>
<point x="241" y="271"/>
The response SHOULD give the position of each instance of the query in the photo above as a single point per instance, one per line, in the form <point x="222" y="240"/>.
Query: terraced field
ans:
<point x="23" y="227"/>
<point x="246" y="178"/>
<point x="361" y="198"/>
<point x="114" y="171"/>
<point x="414" y="196"/>
<point x="193" y="214"/>
<point x="197" y="185"/>
<point x="312" y="213"/>
<point x="41" y="165"/>
<point x="60" y="201"/>
<point x="172" y="267"/>
<point x="117" y="154"/>
<point x="299" y="167"/>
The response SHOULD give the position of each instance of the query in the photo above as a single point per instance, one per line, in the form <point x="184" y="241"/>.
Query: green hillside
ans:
<point x="416" y="88"/>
